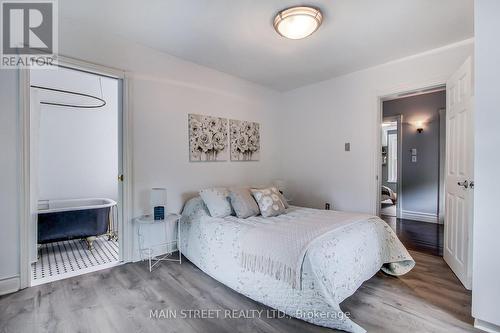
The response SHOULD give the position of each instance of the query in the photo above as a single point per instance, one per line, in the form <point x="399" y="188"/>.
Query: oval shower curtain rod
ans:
<point x="102" y="101"/>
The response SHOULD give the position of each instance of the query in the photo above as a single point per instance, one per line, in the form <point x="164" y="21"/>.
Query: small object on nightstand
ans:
<point x="159" y="213"/>
<point x="158" y="202"/>
<point x="156" y="251"/>
<point x="327" y="206"/>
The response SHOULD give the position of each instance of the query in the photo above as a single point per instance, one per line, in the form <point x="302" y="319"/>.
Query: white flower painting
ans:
<point x="208" y="139"/>
<point x="245" y="140"/>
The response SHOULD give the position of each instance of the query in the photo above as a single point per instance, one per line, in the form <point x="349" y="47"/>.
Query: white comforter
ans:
<point x="333" y="268"/>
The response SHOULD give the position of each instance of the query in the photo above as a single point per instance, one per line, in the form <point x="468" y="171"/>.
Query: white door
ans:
<point x="459" y="174"/>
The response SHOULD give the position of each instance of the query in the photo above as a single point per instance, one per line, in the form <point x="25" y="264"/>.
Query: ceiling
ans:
<point x="237" y="36"/>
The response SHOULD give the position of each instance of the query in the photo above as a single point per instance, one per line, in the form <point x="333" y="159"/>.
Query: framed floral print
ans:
<point x="208" y="138"/>
<point x="245" y="140"/>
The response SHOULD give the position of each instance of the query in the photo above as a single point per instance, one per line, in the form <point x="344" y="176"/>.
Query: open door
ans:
<point x="459" y="174"/>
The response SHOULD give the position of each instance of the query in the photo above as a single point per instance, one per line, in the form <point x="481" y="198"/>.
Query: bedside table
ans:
<point x="157" y="250"/>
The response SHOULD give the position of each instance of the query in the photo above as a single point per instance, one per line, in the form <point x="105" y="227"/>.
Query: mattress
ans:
<point x="334" y="267"/>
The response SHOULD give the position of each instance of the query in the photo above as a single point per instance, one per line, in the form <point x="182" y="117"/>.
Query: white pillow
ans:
<point x="217" y="201"/>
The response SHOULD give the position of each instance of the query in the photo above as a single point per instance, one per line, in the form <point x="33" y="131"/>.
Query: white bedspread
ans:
<point x="334" y="266"/>
<point x="276" y="246"/>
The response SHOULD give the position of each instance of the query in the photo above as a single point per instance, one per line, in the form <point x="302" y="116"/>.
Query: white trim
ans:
<point x="126" y="243"/>
<point x="419" y="216"/>
<point x="416" y="93"/>
<point x="399" y="120"/>
<point x="9" y="285"/>
<point x="90" y="67"/>
<point x="24" y="178"/>
<point x="127" y="193"/>
<point x="442" y="161"/>
<point x="392" y="158"/>
<point x="486" y="326"/>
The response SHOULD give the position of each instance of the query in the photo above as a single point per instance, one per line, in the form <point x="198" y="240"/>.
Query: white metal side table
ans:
<point x="147" y="251"/>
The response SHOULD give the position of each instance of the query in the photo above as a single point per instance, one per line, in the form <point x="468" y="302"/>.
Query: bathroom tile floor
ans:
<point x="60" y="260"/>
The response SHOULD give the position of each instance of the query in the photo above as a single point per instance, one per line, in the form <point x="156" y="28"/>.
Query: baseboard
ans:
<point x="485" y="326"/>
<point x="418" y="216"/>
<point x="10" y="285"/>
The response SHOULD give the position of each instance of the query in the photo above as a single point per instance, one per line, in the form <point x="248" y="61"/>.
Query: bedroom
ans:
<point x="316" y="102"/>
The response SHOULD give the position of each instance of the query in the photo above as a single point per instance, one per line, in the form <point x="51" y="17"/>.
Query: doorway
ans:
<point x="75" y="153"/>
<point x="391" y="166"/>
<point x="413" y="151"/>
<point x="457" y="192"/>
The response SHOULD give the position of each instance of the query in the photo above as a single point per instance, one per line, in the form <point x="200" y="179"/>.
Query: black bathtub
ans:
<point x="69" y="219"/>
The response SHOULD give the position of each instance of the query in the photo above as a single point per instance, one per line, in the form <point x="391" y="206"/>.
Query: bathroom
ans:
<point x="75" y="146"/>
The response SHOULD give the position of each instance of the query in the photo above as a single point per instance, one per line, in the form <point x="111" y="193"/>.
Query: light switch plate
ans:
<point x="347" y="146"/>
<point x="414" y="151"/>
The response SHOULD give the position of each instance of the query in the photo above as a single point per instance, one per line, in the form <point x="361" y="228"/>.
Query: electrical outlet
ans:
<point x="414" y="159"/>
<point x="347" y="146"/>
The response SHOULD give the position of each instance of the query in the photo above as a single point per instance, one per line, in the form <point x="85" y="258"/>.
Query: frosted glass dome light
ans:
<point x="297" y="22"/>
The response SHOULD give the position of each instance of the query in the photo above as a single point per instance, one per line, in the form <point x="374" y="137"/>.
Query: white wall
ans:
<point x="163" y="89"/>
<point x="161" y="154"/>
<point x="486" y="265"/>
<point x="320" y="118"/>
<point x="9" y="176"/>
<point x="77" y="148"/>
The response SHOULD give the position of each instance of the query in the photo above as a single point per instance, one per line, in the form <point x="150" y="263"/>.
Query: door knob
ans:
<point x="465" y="184"/>
<point x="471" y="184"/>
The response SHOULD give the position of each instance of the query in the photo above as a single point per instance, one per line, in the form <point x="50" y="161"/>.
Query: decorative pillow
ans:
<point x="269" y="201"/>
<point x="217" y="201"/>
<point x="282" y="197"/>
<point x="243" y="202"/>
<point x="277" y="191"/>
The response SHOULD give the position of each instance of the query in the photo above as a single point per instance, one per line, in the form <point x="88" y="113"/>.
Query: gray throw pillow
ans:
<point x="283" y="199"/>
<point x="269" y="201"/>
<point x="243" y="202"/>
<point x="217" y="201"/>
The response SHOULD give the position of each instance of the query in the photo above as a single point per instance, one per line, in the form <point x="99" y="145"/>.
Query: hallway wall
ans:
<point x="420" y="179"/>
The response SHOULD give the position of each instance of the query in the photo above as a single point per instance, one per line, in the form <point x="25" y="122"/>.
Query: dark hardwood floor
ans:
<point x="419" y="236"/>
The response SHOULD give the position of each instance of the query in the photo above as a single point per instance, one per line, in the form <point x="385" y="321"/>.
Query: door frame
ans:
<point x="442" y="160"/>
<point x="126" y="243"/>
<point x="406" y="90"/>
<point x="399" y="120"/>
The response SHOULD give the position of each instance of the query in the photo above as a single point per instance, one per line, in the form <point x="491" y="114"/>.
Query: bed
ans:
<point x="334" y="265"/>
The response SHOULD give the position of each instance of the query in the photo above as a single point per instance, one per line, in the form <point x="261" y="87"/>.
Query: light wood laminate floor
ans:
<point x="428" y="299"/>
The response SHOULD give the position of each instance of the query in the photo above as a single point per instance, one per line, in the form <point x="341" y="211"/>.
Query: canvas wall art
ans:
<point x="208" y="138"/>
<point x="245" y="140"/>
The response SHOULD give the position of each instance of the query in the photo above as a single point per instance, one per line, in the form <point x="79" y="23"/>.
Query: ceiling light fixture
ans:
<point x="297" y="22"/>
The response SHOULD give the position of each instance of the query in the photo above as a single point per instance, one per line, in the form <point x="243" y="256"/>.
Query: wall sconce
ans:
<point x="420" y="126"/>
